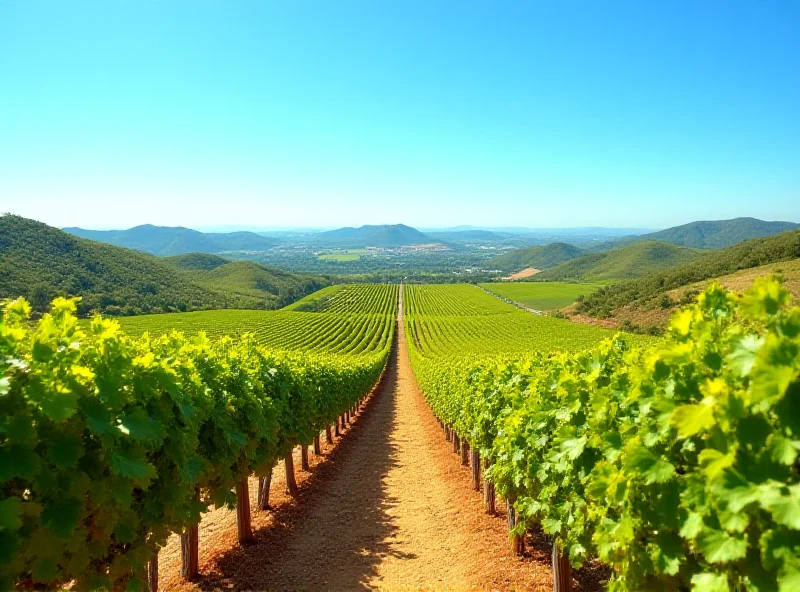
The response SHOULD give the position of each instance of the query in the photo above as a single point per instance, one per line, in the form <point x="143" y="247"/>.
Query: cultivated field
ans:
<point x="542" y="295"/>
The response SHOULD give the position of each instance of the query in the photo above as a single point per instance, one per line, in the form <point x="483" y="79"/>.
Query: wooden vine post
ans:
<point x="243" y="511"/>
<point x="488" y="492"/>
<point x="562" y="571"/>
<point x="475" y="461"/>
<point x="263" y="491"/>
<point x="456" y="443"/>
<point x="517" y="540"/>
<point x="336" y="428"/>
<point x="317" y="447"/>
<point x="152" y="573"/>
<point x="190" y="549"/>
<point x="190" y="552"/>
<point x="304" y="458"/>
<point x="291" y="483"/>
<point x="464" y="453"/>
<point x="328" y="434"/>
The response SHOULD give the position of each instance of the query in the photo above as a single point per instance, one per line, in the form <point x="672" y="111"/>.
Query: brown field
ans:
<point x="525" y="273"/>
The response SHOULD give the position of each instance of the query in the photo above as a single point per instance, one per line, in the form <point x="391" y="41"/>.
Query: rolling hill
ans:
<point x="537" y="256"/>
<point x="386" y="235"/>
<point x="168" y="240"/>
<point x="247" y="280"/>
<point x="649" y="291"/>
<point x="41" y="262"/>
<point x="626" y="262"/>
<point x="715" y="234"/>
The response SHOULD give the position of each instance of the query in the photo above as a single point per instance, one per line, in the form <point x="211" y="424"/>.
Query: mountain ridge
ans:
<point x="626" y="262"/>
<point x="175" y="240"/>
<point x="40" y="262"/>
<point x="708" y="234"/>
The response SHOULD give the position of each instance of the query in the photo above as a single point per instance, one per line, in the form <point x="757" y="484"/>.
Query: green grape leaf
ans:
<point x="783" y="450"/>
<point x="62" y="517"/>
<point x="59" y="406"/>
<point x="720" y="547"/>
<point x="691" y="419"/>
<point x="743" y="357"/>
<point x="139" y="426"/>
<point x="65" y="450"/>
<point x="785" y="509"/>
<point x="654" y="470"/>
<point x="768" y="382"/>
<point x="44" y="570"/>
<point x="709" y="582"/>
<point x="692" y="526"/>
<point x="133" y="466"/>
<point x="10" y="513"/>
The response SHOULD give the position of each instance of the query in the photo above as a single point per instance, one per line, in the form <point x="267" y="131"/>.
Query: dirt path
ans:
<point x="390" y="508"/>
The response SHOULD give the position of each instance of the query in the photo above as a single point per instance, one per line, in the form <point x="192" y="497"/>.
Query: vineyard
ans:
<point x="672" y="461"/>
<point x="675" y="462"/>
<point x="446" y="321"/>
<point x="108" y="444"/>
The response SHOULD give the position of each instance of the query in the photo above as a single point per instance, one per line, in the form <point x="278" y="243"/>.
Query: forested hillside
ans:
<point x="538" y="256"/>
<point x="627" y="262"/>
<point x="41" y="262"/>
<point x="713" y="234"/>
<point x="648" y="289"/>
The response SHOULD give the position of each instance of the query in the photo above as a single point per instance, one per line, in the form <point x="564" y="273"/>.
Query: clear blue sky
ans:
<point x="556" y="113"/>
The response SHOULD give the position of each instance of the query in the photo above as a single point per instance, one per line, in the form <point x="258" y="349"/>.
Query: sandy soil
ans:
<point x="525" y="273"/>
<point x="388" y="507"/>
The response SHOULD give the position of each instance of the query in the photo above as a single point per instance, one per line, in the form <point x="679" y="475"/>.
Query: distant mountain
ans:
<point x="40" y="262"/>
<point x="168" y="240"/>
<point x="538" y="256"/>
<point x="627" y="262"/>
<point x="386" y="235"/>
<point x="468" y="235"/>
<point x="715" y="234"/>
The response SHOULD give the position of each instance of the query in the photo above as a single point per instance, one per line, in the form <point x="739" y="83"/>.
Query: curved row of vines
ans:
<point x="675" y="462"/>
<point x="108" y="444"/>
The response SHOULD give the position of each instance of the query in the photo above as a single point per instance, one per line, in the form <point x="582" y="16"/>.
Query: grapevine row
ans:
<point x="109" y="444"/>
<point x="675" y="462"/>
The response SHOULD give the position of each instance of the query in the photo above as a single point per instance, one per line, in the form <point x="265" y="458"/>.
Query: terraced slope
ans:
<point x="340" y="331"/>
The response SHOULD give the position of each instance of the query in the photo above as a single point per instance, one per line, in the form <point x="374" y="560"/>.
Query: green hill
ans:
<point x="538" y="256"/>
<point x="645" y="290"/>
<point x="41" y="262"/>
<point x="386" y="235"/>
<point x="715" y="234"/>
<point x="627" y="262"/>
<point x="164" y="240"/>
<point x="256" y="283"/>
<point x="197" y="261"/>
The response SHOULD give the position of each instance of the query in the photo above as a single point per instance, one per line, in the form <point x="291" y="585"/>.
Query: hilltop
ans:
<point x="386" y="235"/>
<point x="665" y="288"/>
<point x="537" y="256"/>
<point x="248" y="281"/>
<point x="176" y="240"/>
<point x="714" y="234"/>
<point x="626" y="262"/>
<point x="41" y="262"/>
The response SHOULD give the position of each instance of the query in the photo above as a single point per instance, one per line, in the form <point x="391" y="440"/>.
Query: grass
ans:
<point x="543" y="295"/>
<point x="339" y="257"/>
